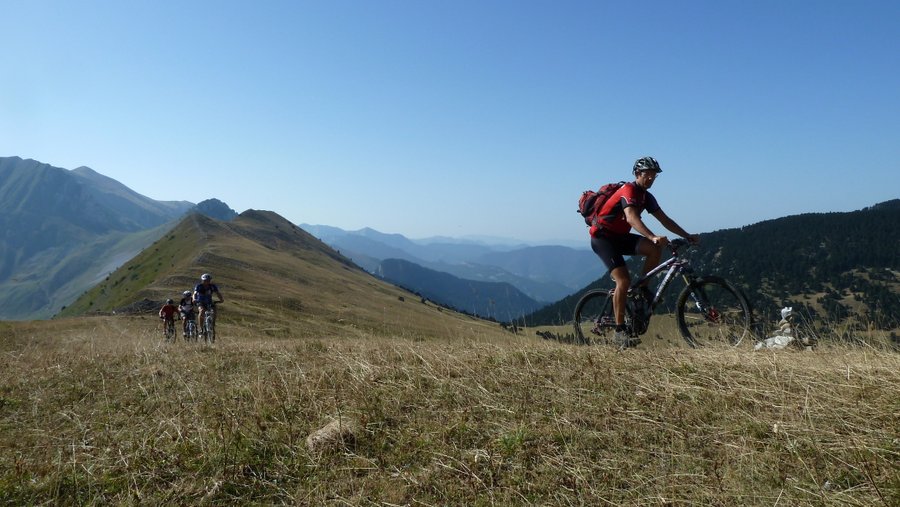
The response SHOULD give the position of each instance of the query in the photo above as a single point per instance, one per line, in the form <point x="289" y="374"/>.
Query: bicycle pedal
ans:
<point x="630" y="343"/>
<point x="623" y="341"/>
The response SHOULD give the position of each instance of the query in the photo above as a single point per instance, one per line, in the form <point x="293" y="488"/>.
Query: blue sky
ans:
<point x="463" y="118"/>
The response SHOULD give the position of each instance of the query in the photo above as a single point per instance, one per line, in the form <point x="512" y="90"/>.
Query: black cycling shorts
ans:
<point x="612" y="248"/>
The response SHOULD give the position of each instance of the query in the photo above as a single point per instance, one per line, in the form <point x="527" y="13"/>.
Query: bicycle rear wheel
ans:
<point x="713" y="311"/>
<point x="594" y="316"/>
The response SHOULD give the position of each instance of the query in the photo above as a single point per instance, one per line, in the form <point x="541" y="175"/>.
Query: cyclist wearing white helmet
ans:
<point x="203" y="294"/>
<point x="186" y="307"/>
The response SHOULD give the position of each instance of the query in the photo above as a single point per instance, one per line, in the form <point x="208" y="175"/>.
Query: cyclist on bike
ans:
<point x="186" y="308"/>
<point x="612" y="239"/>
<point x="167" y="313"/>
<point x="203" y="294"/>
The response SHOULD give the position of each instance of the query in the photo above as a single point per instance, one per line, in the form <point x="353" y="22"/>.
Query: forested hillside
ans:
<point x="830" y="267"/>
<point x="827" y="265"/>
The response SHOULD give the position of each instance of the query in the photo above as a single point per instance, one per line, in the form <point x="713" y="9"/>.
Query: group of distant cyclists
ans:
<point x="192" y="304"/>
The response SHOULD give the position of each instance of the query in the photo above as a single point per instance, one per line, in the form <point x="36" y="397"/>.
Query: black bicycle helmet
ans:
<point x="170" y="302"/>
<point x="646" y="164"/>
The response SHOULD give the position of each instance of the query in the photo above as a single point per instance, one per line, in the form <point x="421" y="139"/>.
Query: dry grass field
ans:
<point x="97" y="410"/>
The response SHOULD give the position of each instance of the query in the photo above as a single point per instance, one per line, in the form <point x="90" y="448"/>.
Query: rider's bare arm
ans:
<point x="670" y="224"/>
<point x="633" y="216"/>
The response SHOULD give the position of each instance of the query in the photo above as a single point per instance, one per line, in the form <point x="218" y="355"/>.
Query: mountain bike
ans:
<point x="169" y="330"/>
<point x="208" y="326"/>
<point x="190" y="329"/>
<point x="709" y="310"/>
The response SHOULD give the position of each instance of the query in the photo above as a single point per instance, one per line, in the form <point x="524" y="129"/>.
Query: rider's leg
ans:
<point x="652" y="253"/>
<point x="610" y="249"/>
<point x="623" y="281"/>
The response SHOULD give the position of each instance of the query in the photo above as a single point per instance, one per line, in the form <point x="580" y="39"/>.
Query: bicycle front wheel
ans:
<point x="593" y="316"/>
<point x="710" y="311"/>
<point x="209" y="327"/>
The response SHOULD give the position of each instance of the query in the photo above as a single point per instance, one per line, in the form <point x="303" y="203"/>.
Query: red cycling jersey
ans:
<point x="611" y="218"/>
<point x="168" y="312"/>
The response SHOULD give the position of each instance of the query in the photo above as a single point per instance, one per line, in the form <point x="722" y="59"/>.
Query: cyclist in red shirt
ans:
<point x="611" y="238"/>
<point x="167" y="312"/>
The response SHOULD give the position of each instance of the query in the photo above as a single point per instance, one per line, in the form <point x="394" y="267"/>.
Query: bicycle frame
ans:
<point x="675" y="266"/>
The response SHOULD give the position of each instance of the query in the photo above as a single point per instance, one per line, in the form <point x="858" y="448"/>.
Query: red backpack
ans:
<point x="591" y="202"/>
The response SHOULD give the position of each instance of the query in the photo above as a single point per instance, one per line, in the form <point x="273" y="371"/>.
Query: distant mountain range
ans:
<point x="65" y="230"/>
<point x="493" y="300"/>
<point x="542" y="273"/>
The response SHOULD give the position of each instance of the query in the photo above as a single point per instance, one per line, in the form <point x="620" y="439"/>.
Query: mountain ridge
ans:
<point x="55" y="248"/>
<point x="275" y="277"/>
<point x="58" y="225"/>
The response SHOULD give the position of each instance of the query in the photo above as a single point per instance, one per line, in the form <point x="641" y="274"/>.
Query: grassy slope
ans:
<point x="167" y="254"/>
<point x="96" y="409"/>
